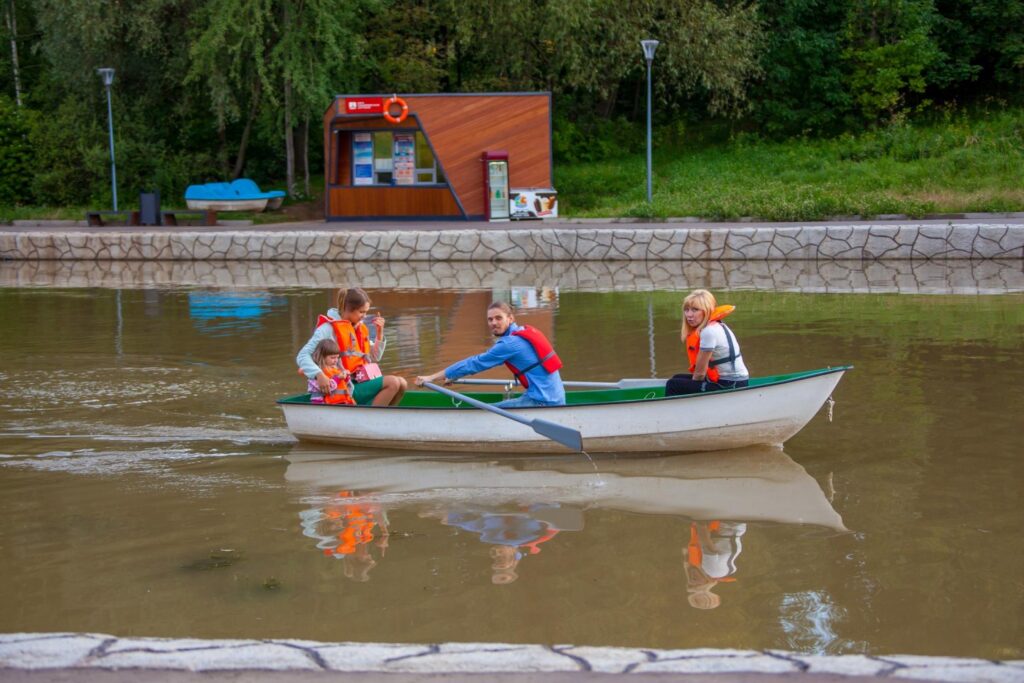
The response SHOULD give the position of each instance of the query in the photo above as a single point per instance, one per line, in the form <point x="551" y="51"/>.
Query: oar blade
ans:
<point x="570" y="438"/>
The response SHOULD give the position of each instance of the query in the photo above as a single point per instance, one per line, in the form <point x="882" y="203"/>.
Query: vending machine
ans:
<point x="496" y="195"/>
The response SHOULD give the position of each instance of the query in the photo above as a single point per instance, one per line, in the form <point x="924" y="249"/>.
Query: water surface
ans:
<point x="149" y="486"/>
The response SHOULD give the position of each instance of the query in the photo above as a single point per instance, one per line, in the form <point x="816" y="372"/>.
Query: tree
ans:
<point x="16" y="154"/>
<point x="982" y="44"/>
<point x="889" y="48"/>
<point x="286" y="54"/>
<point x="591" y="48"/>
<point x="803" y="89"/>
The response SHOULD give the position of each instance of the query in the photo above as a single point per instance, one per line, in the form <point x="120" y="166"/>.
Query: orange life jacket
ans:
<point x="547" y="358"/>
<point x="343" y="394"/>
<point x="353" y="340"/>
<point x="693" y="343"/>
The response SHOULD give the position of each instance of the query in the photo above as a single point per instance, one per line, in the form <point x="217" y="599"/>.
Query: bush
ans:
<point x="72" y="159"/>
<point x="16" y="157"/>
<point x="596" y="139"/>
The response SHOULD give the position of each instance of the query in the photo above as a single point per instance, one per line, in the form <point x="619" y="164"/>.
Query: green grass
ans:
<point x="15" y="213"/>
<point x="959" y="165"/>
<point x="77" y="213"/>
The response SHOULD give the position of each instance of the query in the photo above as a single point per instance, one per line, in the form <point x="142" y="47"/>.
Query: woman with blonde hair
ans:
<point x="712" y="348"/>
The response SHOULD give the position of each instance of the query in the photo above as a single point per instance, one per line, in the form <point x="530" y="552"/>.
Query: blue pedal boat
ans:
<point x="238" y="195"/>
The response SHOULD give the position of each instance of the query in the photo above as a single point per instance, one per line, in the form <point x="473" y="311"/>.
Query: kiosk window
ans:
<point x="383" y="161"/>
<point x="427" y="170"/>
<point x="394" y="158"/>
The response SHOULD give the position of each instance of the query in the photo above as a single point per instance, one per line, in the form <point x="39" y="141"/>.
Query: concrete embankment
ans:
<point x="99" y="658"/>
<point x="994" y="238"/>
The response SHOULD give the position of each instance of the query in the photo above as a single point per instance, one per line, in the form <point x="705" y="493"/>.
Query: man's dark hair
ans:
<point x="501" y="305"/>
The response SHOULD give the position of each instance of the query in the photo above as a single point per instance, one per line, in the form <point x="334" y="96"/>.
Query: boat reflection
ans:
<point x="515" y="505"/>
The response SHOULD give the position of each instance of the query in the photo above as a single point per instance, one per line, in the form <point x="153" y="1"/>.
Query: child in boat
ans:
<point x="327" y="357"/>
<point x="712" y="348"/>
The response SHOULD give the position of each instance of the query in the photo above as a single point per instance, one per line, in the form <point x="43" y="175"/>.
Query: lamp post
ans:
<point x="107" y="75"/>
<point x="649" y="47"/>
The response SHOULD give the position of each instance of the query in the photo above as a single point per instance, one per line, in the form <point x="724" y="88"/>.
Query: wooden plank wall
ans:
<point x="460" y="128"/>
<point x="391" y="202"/>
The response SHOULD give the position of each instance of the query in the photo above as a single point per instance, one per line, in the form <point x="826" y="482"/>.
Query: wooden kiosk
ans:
<point x="423" y="156"/>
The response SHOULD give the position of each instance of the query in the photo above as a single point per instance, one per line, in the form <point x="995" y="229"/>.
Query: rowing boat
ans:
<point x="637" y="419"/>
<point x="755" y="484"/>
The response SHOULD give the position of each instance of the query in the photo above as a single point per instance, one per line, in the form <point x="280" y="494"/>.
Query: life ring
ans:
<point x="395" y="99"/>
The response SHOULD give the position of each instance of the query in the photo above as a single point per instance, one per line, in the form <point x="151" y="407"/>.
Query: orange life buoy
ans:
<point x="395" y="99"/>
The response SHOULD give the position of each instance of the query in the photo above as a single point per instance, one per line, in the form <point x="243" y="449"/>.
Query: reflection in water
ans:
<point x="344" y="530"/>
<point x="516" y="505"/>
<point x="226" y="313"/>
<point x="512" y="535"/>
<point x="809" y="620"/>
<point x="907" y="277"/>
<point x="751" y="484"/>
<point x="711" y="559"/>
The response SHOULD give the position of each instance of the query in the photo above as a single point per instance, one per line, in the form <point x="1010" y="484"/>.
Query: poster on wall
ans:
<point x="405" y="159"/>
<point x="533" y="204"/>
<point x="362" y="159"/>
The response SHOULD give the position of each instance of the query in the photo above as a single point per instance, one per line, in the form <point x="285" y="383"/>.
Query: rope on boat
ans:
<point x="831" y="402"/>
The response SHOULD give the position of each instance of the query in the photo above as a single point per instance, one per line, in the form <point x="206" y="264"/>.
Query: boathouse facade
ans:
<point x="426" y="156"/>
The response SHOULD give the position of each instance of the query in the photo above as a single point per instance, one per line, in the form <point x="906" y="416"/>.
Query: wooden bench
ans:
<point x="207" y="217"/>
<point x="101" y="218"/>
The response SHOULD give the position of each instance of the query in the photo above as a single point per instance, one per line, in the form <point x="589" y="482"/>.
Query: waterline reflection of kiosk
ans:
<point x="751" y="484"/>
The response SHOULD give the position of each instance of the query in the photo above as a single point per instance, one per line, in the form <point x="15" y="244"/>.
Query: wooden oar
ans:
<point x="570" y="438"/>
<point x="637" y="383"/>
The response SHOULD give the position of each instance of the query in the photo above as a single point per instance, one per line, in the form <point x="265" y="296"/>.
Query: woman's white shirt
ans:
<point x="713" y="339"/>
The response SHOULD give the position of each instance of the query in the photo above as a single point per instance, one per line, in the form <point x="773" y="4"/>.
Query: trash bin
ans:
<point x="149" y="208"/>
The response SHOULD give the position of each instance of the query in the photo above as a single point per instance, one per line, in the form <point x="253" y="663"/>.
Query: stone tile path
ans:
<point x="41" y="651"/>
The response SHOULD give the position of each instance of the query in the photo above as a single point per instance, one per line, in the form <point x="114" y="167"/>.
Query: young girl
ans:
<point x="359" y="356"/>
<point x="327" y="357"/>
<point x="714" y="353"/>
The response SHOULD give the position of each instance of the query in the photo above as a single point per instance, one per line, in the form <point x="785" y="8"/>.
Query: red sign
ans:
<point x="364" y="105"/>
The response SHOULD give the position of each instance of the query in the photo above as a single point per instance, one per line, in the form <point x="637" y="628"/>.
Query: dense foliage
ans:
<point x="947" y="163"/>
<point x="214" y="89"/>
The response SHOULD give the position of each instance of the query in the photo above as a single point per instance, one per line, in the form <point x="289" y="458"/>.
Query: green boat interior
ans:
<point x="430" y="399"/>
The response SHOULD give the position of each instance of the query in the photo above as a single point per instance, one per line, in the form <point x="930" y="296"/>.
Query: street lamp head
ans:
<point x="649" y="47"/>
<point x="107" y="74"/>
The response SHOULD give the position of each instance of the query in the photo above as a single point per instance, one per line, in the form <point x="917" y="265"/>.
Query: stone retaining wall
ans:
<point x="832" y="242"/>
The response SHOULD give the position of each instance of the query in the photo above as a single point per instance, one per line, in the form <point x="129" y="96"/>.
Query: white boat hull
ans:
<point x="227" y="204"/>
<point x="768" y="414"/>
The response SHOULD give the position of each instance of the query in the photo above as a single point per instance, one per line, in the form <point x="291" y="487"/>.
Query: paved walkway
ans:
<point x="567" y="224"/>
<point x="96" y="658"/>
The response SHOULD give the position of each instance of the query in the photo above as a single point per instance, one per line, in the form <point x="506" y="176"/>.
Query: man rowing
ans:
<point x="526" y="352"/>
